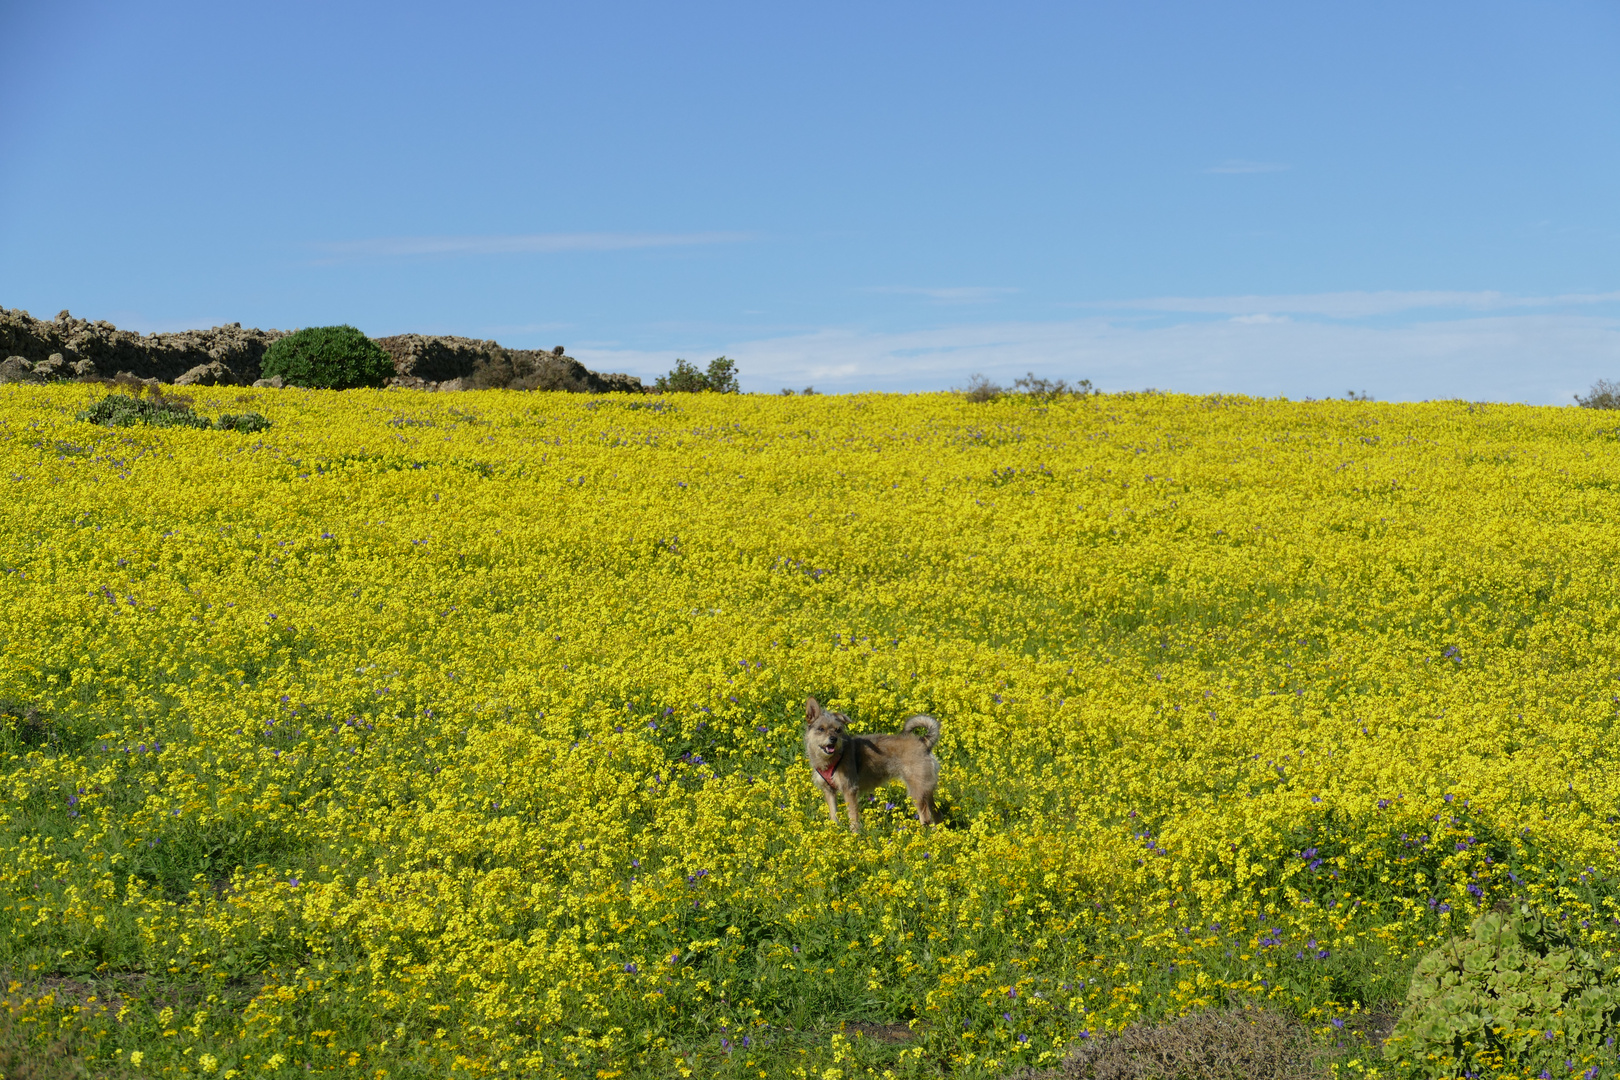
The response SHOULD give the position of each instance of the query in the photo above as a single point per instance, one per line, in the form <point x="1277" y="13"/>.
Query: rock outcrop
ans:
<point x="422" y="360"/>
<point x="70" y="348"/>
<point x="457" y="363"/>
<point x="18" y="369"/>
<point x="66" y="348"/>
<point x="212" y="373"/>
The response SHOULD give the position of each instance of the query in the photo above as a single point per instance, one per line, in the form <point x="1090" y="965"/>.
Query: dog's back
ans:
<point x="904" y="757"/>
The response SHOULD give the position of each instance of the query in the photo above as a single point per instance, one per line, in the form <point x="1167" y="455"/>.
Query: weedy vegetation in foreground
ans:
<point x="427" y="735"/>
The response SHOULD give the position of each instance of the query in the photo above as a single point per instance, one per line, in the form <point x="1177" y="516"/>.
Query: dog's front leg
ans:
<point x="832" y="802"/>
<point x="851" y="796"/>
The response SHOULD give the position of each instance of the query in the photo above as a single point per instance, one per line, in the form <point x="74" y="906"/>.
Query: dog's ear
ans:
<point x="812" y="709"/>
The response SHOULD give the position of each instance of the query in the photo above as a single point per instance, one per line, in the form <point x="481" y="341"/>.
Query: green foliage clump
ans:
<point x="24" y="727"/>
<point x="328" y="358"/>
<point x="1516" y="994"/>
<point x="1603" y="395"/>
<point x="721" y="378"/>
<point x="1031" y="387"/>
<point x="121" y="410"/>
<point x="247" y="423"/>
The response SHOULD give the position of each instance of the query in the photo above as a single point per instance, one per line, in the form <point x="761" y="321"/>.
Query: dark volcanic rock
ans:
<point x="212" y="373"/>
<point x="534" y="369"/>
<point x="433" y="359"/>
<point x="99" y="348"/>
<point x="458" y="363"/>
<point x="18" y="369"/>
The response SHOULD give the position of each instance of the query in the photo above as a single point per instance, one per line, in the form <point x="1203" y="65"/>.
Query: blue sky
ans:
<point x="1412" y="199"/>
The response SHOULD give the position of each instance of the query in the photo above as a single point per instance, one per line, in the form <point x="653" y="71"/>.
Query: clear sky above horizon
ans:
<point x="1415" y="200"/>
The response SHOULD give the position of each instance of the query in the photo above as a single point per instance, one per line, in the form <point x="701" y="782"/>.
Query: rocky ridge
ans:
<point x="68" y="348"/>
<point x="457" y="363"/>
<point x="35" y="350"/>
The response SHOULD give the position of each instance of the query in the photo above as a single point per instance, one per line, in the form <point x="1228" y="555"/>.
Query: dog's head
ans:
<point x="824" y="730"/>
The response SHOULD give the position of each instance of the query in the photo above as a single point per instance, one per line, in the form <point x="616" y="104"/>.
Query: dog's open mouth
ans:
<point x="830" y="749"/>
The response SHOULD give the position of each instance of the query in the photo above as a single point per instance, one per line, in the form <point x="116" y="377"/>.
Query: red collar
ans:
<point x="832" y="767"/>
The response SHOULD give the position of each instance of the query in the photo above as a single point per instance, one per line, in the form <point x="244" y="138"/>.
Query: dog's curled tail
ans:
<point x="929" y="725"/>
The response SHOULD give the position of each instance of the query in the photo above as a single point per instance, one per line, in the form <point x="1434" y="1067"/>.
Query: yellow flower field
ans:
<point x="459" y="734"/>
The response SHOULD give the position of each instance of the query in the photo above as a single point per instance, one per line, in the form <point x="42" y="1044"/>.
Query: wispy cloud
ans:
<point x="531" y="243"/>
<point x="1232" y="166"/>
<point x="958" y="294"/>
<point x="1352" y="305"/>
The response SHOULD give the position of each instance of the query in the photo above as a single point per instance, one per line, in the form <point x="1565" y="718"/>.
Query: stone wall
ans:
<point x="67" y="347"/>
<point x="458" y="363"/>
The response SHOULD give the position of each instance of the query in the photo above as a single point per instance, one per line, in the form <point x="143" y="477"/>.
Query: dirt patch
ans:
<point x="883" y="1033"/>
<point x="108" y="990"/>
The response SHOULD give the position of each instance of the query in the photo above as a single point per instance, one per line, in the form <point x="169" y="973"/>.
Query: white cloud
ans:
<point x="960" y="294"/>
<point x="1351" y="305"/>
<point x="1260" y="319"/>
<point x="1538" y="358"/>
<point x="534" y="243"/>
<point x="1234" y="166"/>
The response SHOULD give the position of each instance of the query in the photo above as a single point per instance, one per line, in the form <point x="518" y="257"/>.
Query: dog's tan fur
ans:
<point x="853" y="765"/>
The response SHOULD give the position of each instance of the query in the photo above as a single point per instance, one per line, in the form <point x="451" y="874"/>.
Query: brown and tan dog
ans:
<point x="853" y="765"/>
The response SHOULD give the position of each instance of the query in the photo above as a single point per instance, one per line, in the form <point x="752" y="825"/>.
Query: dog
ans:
<point x="853" y="765"/>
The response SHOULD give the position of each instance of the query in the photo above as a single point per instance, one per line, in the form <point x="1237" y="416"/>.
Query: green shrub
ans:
<point x="246" y="423"/>
<point x="1031" y="386"/>
<point x="121" y="410"/>
<point x="328" y="358"/>
<point x="1603" y="395"/>
<point x="1034" y="386"/>
<point x="981" y="389"/>
<point x="1515" y="994"/>
<point x="721" y="378"/>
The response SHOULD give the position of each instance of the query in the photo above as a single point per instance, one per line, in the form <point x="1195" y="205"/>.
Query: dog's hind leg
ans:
<point x="925" y="807"/>
<point x="922" y="797"/>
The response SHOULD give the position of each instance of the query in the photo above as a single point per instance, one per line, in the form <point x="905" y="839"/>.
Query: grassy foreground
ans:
<point x="439" y="735"/>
